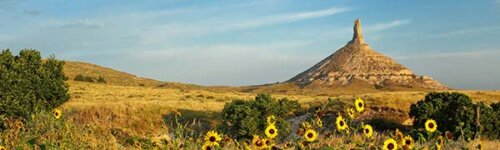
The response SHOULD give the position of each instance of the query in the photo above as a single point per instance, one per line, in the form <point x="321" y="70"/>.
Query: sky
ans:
<point x="236" y="43"/>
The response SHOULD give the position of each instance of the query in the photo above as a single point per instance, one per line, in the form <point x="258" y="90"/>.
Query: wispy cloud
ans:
<point x="195" y="29"/>
<point x="387" y="25"/>
<point x="467" y="31"/>
<point x="461" y="54"/>
<point x="81" y="23"/>
<point x="287" y="18"/>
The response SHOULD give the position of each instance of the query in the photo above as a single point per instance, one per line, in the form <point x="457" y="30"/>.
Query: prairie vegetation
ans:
<point x="110" y="116"/>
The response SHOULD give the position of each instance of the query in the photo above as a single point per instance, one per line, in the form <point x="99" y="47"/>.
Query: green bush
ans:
<point x="454" y="112"/>
<point x="83" y="78"/>
<point x="490" y="120"/>
<point x="243" y="119"/>
<point x="101" y="80"/>
<point x="29" y="84"/>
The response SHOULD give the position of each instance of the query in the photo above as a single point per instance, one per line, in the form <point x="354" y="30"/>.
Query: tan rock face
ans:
<point x="356" y="60"/>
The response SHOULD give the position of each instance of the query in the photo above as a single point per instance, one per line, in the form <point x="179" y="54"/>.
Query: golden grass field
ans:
<point x="107" y="116"/>
<point x="139" y="111"/>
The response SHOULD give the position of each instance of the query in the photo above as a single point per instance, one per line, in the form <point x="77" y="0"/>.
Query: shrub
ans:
<point x="489" y="120"/>
<point x="101" y="80"/>
<point x="83" y="78"/>
<point x="453" y="112"/>
<point x="246" y="118"/>
<point x="28" y="84"/>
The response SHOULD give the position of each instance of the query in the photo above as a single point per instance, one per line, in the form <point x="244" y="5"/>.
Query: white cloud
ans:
<point x="387" y="25"/>
<point x="467" y="31"/>
<point x="461" y="54"/>
<point x="81" y="23"/>
<point x="287" y="18"/>
<point x="161" y="33"/>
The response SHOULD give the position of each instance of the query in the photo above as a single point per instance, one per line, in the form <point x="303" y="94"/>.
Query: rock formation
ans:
<point x="357" y="61"/>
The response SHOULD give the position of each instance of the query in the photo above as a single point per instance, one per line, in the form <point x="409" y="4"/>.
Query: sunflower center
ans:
<point x="271" y="131"/>
<point x="408" y="142"/>
<point x="390" y="146"/>
<point x="367" y="131"/>
<point x="360" y="104"/>
<point x="341" y="123"/>
<point x="268" y="142"/>
<point x="479" y="146"/>
<point x="212" y="139"/>
<point x="310" y="135"/>
<point x="259" y="143"/>
<point x="208" y="148"/>
<point x="431" y="125"/>
<point x="57" y="114"/>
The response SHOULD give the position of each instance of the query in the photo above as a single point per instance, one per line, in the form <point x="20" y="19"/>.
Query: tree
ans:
<point x="29" y="84"/>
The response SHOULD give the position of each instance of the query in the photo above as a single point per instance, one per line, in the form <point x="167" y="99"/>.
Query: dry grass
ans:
<point x="108" y="115"/>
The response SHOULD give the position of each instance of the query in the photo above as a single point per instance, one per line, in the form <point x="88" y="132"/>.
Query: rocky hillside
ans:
<point x="356" y="61"/>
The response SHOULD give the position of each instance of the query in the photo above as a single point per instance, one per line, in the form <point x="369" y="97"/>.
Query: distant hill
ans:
<point x="353" y="69"/>
<point x="111" y="76"/>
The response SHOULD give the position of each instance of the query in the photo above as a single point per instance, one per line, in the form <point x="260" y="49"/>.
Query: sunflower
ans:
<point x="430" y="125"/>
<point x="212" y="138"/>
<point x="207" y="146"/>
<point x="2" y="147"/>
<point x="271" y="131"/>
<point x="310" y="135"/>
<point x="271" y="119"/>
<point x="438" y="147"/>
<point x="407" y="142"/>
<point x="440" y="140"/>
<point x="57" y="113"/>
<point x="390" y="144"/>
<point x="319" y="122"/>
<point x="368" y="130"/>
<point x="350" y="112"/>
<point x="258" y="142"/>
<point x="360" y="106"/>
<point x="341" y="125"/>
<point x="479" y="146"/>
<point x="399" y="134"/>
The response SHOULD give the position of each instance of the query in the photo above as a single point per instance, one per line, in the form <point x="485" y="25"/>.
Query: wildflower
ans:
<point x="57" y="113"/>
<point x="360" y="106"/>
<point x="319" y="122"/>
<point x="271" y="119"/>
<point x="399" y="134"/>
<point x="368" y="130"/>
<point x="390" y="144"/>
<point x="310" y="135"/>
<point x="350" y="112"/>
<point x="306" y="125"/>
<point x="449" y="135"/>
<point x="341" y="125"/>
<point x="207" y="146"/>
<point x="2" y="147"/>
<point x="271" y="131"/>
<point x="441" y="140"/>
<point x="438" y="146"/>
<point x="430" y="125"/>
<point x="212" y="138"/>
<point x="407" y="142"/>
<point x="258" y="142"/>
<point x="299" y="132"/>
<point x="479" y="146"/>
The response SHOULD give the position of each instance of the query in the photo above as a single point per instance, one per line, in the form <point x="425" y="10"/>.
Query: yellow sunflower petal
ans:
<point x="390" y="144"/>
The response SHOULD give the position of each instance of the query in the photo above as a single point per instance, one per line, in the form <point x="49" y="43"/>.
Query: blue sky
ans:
<point x="255" y="42"/>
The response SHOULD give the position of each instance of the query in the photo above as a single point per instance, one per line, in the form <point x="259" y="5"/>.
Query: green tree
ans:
<point x="29" y="84"/>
